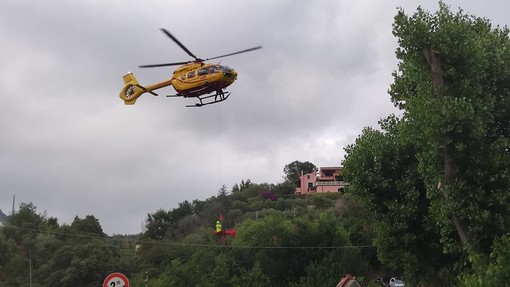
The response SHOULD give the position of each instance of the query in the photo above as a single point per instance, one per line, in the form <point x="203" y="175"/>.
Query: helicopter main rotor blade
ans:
<point x="235" y="53"/>
<point x="179" y="43"/>
<point x="164" y="65"/>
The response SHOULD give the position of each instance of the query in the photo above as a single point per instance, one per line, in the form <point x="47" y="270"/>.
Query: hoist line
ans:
<point x="220" y="146"/>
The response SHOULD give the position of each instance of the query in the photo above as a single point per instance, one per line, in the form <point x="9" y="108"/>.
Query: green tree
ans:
<point x="253" y="278"/>
<point x="221" y="276"/>
<point x="328" y="270"/>
<point x="87" y="226"/>
<point x="284" y="188"/>
<point x="81" y="262"/>
<point x="453" y="82"/>
<point x="157" y="224"/>
<point x="27" y="216"/>
<point x="293" y="170"/>
<point x="184" y="209"/>
<point x="268" y="233"/>
<point x="449" y="155"/>
<point x="242" y="186"/>
<point x="20" y="237"/>
<point x="287" y="246"/>
<point x="493" y="272"/>
<point x="382" y="170"/>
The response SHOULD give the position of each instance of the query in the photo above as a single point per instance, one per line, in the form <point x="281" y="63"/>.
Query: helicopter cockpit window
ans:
<point x="213" y="69"/>
<point x="207" y="70"/>
<point x="191" y="74"/>
<point x="202" y="71"/>
<point x="225" y="69"/>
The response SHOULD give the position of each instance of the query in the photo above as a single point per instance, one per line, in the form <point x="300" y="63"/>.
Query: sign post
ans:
<point x="116" y="280"/>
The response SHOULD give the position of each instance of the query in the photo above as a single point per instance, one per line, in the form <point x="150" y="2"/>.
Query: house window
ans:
<point x="308" y="176"/>
<point x="310" y="185"/>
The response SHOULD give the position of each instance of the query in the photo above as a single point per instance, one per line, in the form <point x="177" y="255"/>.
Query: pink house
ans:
<point x="328" y="179"/>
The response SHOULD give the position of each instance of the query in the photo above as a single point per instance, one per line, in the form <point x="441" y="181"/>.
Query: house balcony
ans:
<point x="340" y="183"/>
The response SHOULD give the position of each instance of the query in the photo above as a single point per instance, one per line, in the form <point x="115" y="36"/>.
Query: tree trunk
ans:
<point x="436" y="75"/>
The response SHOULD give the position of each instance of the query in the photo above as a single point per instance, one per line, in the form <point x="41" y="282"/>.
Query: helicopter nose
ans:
<point x="231" y="75"/>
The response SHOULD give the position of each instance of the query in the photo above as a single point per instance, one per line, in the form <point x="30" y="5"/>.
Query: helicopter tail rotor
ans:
<point x="132" y="90"/>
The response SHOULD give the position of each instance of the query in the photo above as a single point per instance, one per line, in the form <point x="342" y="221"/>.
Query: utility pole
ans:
<point x="30" y="267"/>
<point x="13" y="199"/>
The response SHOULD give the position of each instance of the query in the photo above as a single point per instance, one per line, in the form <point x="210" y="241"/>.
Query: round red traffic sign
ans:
<point x="116" y="280"/>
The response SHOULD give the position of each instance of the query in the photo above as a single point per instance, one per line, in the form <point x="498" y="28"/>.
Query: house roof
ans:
<point x="330" y="167"/>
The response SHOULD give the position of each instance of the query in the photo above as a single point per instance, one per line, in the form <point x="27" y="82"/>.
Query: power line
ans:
<point x="189" y="244"/>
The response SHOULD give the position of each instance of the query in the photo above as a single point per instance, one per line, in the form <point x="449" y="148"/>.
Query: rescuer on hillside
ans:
<point x="218" y="227"/>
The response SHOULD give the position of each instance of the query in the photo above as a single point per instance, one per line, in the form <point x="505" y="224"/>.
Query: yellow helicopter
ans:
<point x="194" y="79"/>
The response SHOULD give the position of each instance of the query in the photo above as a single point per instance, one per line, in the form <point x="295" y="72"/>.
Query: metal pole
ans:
<point x="30" y="266"/>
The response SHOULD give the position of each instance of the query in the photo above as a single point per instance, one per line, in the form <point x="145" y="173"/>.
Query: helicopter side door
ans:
<point x="186" y="80"/>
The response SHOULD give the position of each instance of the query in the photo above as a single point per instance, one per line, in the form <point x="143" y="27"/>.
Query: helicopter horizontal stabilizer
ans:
<point x="148" y="91"/>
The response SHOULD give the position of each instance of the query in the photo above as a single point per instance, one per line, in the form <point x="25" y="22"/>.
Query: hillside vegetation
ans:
<point x="282" y="240"/>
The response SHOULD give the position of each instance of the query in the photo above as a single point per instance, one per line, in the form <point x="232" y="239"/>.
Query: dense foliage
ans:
<point x="439" y="175"/>
<point x="383" y="171"/>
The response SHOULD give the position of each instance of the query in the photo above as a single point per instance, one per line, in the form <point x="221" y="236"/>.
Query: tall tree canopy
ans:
<point x="450" y="151"/>
<point x="293" y="170"/>
<point x="382" y="169"/>
<point x="453" y="83"/>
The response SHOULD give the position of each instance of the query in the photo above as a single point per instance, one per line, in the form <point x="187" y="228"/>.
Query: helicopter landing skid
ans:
<point x="219" y="97"/>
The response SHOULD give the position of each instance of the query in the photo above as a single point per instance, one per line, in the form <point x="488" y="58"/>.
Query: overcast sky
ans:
<point x="69" y="145"/>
